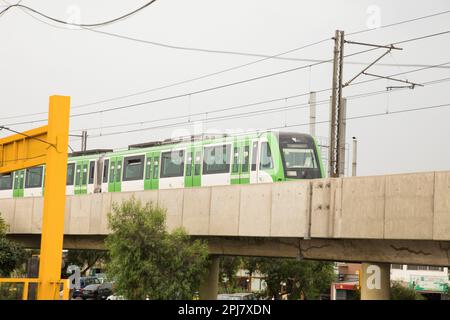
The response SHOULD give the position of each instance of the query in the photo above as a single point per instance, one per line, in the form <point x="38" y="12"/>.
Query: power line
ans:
<point x="273" y="100"/>
<point x="246" y="114"/>
<point x="347" y="118"/>
<point x="239" y="66"/>
<point x="18" y="5"/>
<point x="28" y="136"/>
<point x="257" y="61"/>
<point x="278" y="56"/>
<point x="401" y="22"/>
<point x="241" y="81"/>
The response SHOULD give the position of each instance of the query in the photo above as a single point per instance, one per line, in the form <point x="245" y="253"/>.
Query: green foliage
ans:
<point x="12" y="255"/>
<point x="400" y="292"/>
<point x="228" y="267"/>
<point x="85" y="259"/>
<point x="3" y="227"/>
<point x="303" y="279"/>
<point x="148" y="262"/>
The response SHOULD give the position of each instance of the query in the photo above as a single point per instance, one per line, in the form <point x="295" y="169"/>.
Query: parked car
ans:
<point x="97" y="291"/>
<point x="84" y="281"/>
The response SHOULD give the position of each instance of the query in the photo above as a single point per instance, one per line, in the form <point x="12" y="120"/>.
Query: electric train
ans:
<point x="180" y="163"/>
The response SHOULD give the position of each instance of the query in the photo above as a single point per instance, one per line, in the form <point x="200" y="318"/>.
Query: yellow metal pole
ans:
<point x="25" y="290"/>
<point x="66" y="290"/>
<point x="54" y="197"/>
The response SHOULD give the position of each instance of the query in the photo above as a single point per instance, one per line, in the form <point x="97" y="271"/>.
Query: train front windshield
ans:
<point x="299" y="156"/>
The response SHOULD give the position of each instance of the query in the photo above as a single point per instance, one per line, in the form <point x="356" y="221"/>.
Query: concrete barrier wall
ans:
<point x="407" y="206"/>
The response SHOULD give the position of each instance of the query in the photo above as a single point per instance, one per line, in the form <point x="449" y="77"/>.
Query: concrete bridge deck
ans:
<point x="401" y="218"/>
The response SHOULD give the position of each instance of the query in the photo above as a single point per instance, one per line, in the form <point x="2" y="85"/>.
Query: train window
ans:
<point x="155" y="168"/>
<point x="70" y="174"/>
<point x="105" y="170"/>
<point x="198" y="163"/>
<point x="235" y="167"/>
<point x="246" y="157"/>
<point x="172" y="164"/>
<point x="299" y="158"/>
<point x="6" y="181"/>
<point x="189" y="164"/>
<point x="34" y="177"/>
<point x="265" y="161"/>
<point x="148" y="168"/>
<point x="216" y="159"/>
<point x="133" y="168"/>
<point x="91" y="172"/>
<point x="254" y="155"/>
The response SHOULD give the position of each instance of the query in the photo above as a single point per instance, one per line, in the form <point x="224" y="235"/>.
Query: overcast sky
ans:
<point x="38" y="60"/>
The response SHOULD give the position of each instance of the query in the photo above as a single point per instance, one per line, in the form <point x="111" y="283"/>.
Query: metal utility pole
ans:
<point x="337" y="114"/>
<point x="338" y="104"/>
<point x="354" y="154"/>
<point x="83" y="140"/>
<point x="312" y="114"/>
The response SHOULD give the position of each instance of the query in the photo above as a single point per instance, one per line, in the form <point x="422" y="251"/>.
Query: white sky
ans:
<point x="37" y="60"/>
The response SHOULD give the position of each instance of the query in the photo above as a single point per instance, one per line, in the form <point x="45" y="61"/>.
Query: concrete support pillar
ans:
<point x="210" y="284"/>
<point x="375" y="281"/>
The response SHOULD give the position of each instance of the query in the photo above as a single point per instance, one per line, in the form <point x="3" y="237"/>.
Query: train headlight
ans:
<point x="292" y="173"/>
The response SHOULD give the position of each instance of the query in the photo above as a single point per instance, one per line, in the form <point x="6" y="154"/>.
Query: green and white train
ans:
<point x="207" y="161"/>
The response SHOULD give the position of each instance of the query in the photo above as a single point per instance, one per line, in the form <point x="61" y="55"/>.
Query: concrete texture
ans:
<point x="412" y="207"/>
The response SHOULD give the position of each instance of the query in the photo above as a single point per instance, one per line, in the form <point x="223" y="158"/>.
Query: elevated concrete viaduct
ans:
<point x="401" y="218"/>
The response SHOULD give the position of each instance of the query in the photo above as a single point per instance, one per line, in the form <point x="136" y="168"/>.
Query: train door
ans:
<point x="193" y="166"/>
<point x="155" y="170"/>
<point x="115" y="174"/>
<point x="254" y="170"/>
<point x="81" y="176"/>
<point x="240" y="166"/>
<point x="91" y="177"/>
<point x="189" y="168"/>
<point x="151" y="171"/>
<point x="197" y="170"/>
<point x="244" y="174"/>
<point x="235" y="166"/>
<point x="19" y="178"/>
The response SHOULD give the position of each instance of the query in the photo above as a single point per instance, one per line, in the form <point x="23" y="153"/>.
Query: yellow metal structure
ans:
<point x="45" y="145"/>
<point x="24" y="150"/>
<point x="64" y="283"/>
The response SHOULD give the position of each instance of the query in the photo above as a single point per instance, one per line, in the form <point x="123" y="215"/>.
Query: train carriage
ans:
<point x="180" y="163"/>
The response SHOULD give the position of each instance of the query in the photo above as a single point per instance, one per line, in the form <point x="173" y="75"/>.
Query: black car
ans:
<point x="97" y="291"/>
<point x="84" y="281"/>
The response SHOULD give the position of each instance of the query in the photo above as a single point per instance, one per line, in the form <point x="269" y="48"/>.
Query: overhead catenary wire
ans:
<point x="244" y="81"/>
<point x="327" y="121"/>
<point x="236" y="67"/>
<point x="276" y="99"/>
<point x="245" y="114"/>
<point x="26" y="135"/>
<point x="103" y="23"/>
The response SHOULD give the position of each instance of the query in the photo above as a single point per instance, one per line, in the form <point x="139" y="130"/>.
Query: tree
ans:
<point x="12" y="255"/>
<point x="303" y="279"/>
<point x="146" y="261"/>
<point x="400" y="292"/>
<point x="228" y="267"/>
<point x="85" y="259"/>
